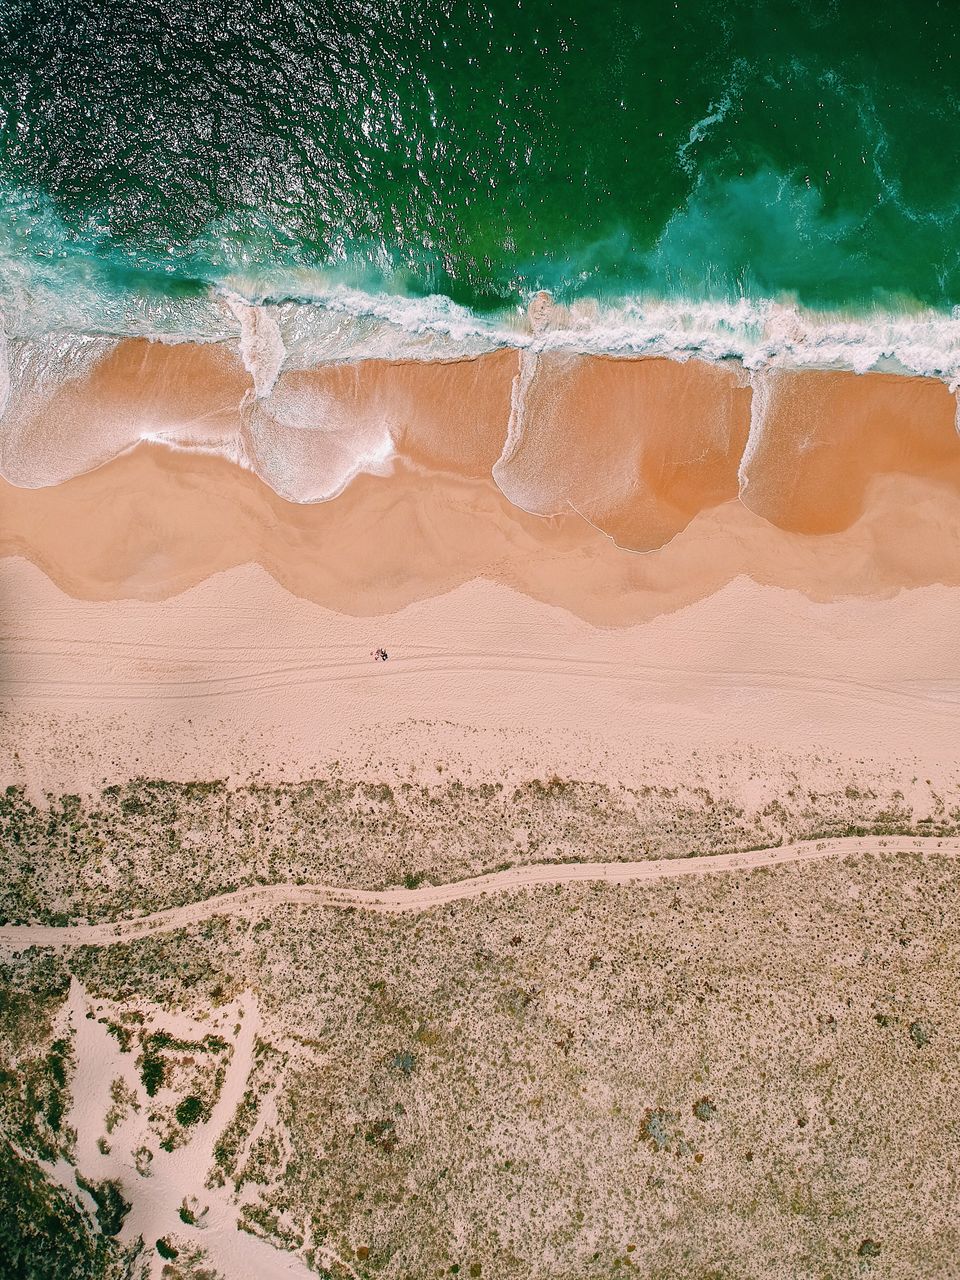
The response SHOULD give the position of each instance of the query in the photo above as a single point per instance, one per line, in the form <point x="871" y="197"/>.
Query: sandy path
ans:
<point x="389" y="901"/>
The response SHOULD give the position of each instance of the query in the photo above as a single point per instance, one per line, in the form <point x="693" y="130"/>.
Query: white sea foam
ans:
<point x="543" y="314"/>
<point x="4" y="370"/>
<point x="261" y="346"/>
<point x="319" y="321"/>
<point x="767" y="335"/>
<point x="308" y="446"/>
<point x="49" y="360"/>
<point x="761" y="390"/>
<point x="348" y="326"/>
<point x="324" y="322"/>
<point x="230" y="448"/>
<point x="716" y="113"/>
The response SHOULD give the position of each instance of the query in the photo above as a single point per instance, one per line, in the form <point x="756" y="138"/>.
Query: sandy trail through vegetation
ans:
<point x="254" y="900"/>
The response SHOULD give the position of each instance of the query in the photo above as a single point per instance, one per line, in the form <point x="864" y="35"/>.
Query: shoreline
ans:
<point x="636" y="446"/>
<point x="319" y="320"/>
<point x="804" y="599"/>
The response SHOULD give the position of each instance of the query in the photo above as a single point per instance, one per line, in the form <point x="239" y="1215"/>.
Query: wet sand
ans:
<point x="155" y="522"/>
<point x="826" y="436"/>
<point x="638" y="447"/>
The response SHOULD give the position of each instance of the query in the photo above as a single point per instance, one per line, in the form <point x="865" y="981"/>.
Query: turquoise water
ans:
<point x="152" y="152"/>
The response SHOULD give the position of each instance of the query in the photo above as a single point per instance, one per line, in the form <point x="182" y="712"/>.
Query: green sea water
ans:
<point x="694" y="149"/>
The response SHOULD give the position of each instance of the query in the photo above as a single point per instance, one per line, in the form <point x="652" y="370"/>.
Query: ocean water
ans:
<point x="480" y="151"/>
<point x="768" y="181"/>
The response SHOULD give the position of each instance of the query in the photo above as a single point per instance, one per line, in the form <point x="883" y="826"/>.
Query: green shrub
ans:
<point x="43" y="1234"/>
<point x="152" y="1073"/>
<point x="189" y="1111"/>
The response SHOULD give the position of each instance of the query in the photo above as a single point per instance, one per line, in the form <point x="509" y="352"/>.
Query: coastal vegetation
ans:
<point x="45" y="1234"/>
<point x="735" y="1075"/>
<point x="151" y="844"/>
